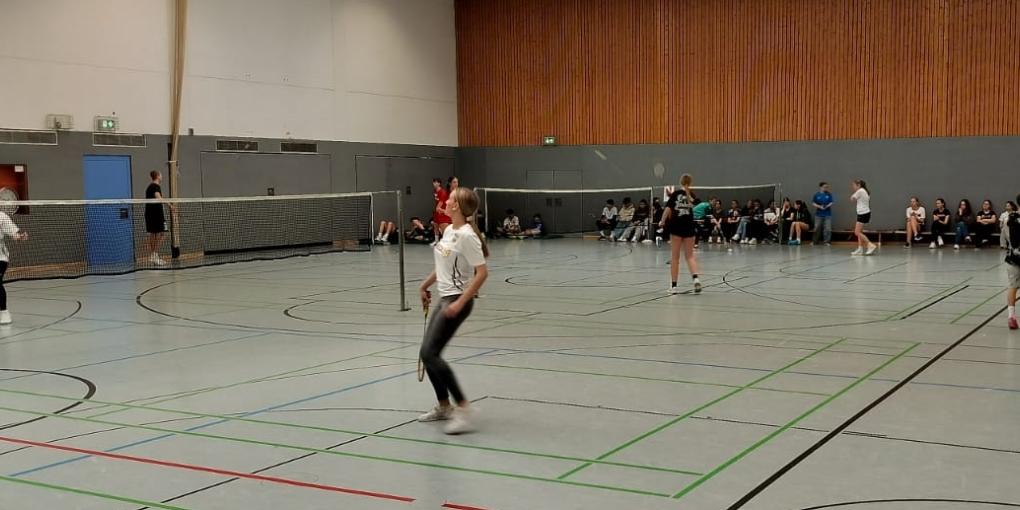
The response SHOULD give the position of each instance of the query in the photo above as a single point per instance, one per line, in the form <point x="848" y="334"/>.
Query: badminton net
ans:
<point x="68" y="239"/>
<point x="574" y="212"/>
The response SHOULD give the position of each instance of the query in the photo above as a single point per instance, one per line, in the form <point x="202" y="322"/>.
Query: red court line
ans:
<point x="455" y="506"/>
<point x="204" y="469"/>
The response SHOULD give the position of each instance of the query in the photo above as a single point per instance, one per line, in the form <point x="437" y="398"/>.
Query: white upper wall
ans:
<point x="399" y="70"/>
<point x="85" y="59"/>
<point x="359" y="70"/>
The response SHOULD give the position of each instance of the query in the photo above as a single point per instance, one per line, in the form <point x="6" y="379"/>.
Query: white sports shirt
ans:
<point x="457" y="254"/>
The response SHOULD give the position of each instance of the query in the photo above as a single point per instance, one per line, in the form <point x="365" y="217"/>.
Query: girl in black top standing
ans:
<point x="941" y="221"/>
<point x="155" y="221"/>
<point x="964" y="217"/>
<point x="678" y="220"/>
<point x="984" y="225"/>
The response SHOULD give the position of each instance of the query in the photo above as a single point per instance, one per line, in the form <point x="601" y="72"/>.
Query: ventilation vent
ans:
<point x="237" y="146"/>
<point x="307" y="147"/>
<point x="117" y="140"/>
<point x="28" y="137"/>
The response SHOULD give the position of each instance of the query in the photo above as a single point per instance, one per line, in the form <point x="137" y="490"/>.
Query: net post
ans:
<point x="400" y="241"/>
<point x="485" y="195"/>
<point x="371" y="221"/>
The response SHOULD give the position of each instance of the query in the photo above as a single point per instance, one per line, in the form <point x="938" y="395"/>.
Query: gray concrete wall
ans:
<point x="953" y="168"/>
<point x="55" y="172"/>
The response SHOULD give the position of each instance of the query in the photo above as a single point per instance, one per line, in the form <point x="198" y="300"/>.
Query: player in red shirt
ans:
<point x="439" y="216"/>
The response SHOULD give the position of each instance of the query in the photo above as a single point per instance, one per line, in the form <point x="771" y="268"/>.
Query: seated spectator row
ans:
<point x="964" y="224"/>
<point x="792" y="221"/>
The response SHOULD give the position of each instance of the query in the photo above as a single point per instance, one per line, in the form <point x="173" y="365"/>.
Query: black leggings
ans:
<point x="3" y="291"/>
<point x="439" y="332"/>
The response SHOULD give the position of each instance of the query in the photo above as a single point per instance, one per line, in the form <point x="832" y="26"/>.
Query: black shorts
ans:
<point x="864" y="218"/>
<point x="155" y="222"/>
<point x="682" y="228"/>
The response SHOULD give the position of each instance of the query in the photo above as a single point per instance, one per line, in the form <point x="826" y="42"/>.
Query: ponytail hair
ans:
<point x="467" y="202"/>
<point x="863" y="185"/>
<point x="686" y="180"/>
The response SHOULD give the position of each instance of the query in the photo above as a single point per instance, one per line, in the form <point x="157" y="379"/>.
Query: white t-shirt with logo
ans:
<point x="7" y="229"/>
<point x="609" y="212"/>
<point x="919" y="212"/>
<point x="457" y="255"/>
<point x="863" y="201"/>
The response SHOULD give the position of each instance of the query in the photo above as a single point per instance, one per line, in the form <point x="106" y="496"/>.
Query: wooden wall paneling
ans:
<point x="663" y="71"/>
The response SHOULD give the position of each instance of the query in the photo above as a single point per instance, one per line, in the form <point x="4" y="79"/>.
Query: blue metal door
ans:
<point x="109" y="230"/>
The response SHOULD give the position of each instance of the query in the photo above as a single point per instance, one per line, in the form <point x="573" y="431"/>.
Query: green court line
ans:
<point x="84" y="492"/>
<point x="209" y="389"/>
<point x="698" y="409"/>
<point x="641" y="378"/>
<point x="362" y="456"/>
<point x="979" y="305"/>
<point x="788" y="425"/>
<point x="927" y="299"/>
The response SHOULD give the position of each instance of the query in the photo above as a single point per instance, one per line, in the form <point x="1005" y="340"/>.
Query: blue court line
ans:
<point x="815" y="374"/>
<point x="137" y="356"/>
<point x="245" y="415"/>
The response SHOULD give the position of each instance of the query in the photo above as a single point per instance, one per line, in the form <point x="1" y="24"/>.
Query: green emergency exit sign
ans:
<point x="106" y="124"/>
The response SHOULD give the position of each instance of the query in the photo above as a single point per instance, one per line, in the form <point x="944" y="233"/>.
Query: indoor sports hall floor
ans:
<point x="291" y="384"/>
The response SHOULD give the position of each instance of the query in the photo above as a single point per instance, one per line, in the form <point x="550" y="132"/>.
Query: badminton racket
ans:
<point x="8" y="195"/>
<point x="425" y="329"/>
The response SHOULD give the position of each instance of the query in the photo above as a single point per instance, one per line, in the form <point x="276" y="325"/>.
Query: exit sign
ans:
<point x="107" y="124"/>
<point x="548" y="140"/>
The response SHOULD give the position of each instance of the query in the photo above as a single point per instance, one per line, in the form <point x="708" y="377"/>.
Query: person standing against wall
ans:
<point x="822" y="203"/>
<point x="155" y="221"/>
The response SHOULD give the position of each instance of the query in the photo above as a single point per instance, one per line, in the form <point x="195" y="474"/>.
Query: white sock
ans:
<point x="1012" y="310"/>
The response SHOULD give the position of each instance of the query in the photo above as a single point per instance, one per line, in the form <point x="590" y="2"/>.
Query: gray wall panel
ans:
<point x="953" y="168"/>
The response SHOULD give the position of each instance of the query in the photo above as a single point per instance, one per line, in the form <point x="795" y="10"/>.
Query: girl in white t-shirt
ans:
<point x="7" y="229"/>
<point x="458" y="255"/>
<point x="915" y="221"/>
<point x="862" y="199"/>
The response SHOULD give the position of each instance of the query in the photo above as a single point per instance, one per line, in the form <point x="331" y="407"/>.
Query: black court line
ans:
<point x="755" y="423"/>
<point x="894" y="266"/>
<point x="843" y="426"/>
<point x="933" y="303"/>
<point x="90" y="390"/>
<point x="916" y="500"/>
<point x="77" y="309"/>
<point x="100" y="431"/>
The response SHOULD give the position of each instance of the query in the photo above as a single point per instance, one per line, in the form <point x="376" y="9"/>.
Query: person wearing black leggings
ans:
<point x="7" y="229"/>
<point x="458" y="255"/>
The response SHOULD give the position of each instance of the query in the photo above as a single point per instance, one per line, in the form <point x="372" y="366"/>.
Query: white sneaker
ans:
<point x="858" y="251"/>
<point x="647" y="241"/>
<point x="871" y="249"/>
<point x="612" y="239"/>
<point x="674" y="290"/>
<point x="5" y="317"/>
<point x="941" y="242"/>
<point x="461" y="421"/>
<point x="753" y="242"/>
<point x="932" y="245"/>
<point x="697" y="286"/>
<point x="956" y="247"/>
<point x="438" y="413"/>
<point x="736" y="238"/>
<point x="155" y="260"/>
